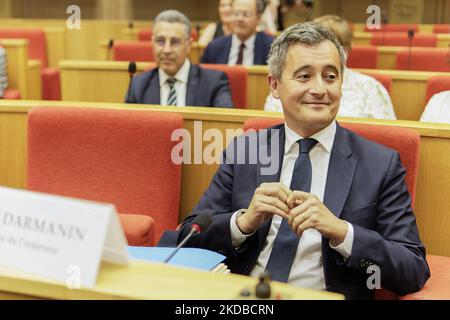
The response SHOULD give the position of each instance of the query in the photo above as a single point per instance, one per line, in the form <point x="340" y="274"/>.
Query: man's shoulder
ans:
<point x="207" y="74"/>
<point x="264" y="37"/>
<point x="145" y="76"/>
<point x="220" y="42"/>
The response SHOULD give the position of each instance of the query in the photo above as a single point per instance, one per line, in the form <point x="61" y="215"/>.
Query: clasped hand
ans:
<point x="303" y="211"/>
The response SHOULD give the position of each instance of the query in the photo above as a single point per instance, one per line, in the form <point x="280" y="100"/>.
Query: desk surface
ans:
<point x="145" y="280"/>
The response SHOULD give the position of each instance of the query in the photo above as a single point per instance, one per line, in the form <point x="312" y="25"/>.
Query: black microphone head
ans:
<point x="110" y="43"/>
<point x="130" y="25"/>
<point x="411" y="33"/>
<point x="132" y="67"/>
<point x="203" y="221"/>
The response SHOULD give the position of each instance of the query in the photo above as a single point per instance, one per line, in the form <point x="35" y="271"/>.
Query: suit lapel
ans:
<point x="152" y="95"/>
<point x="226" y="52"/>
<point x="258" y="54"/>
<point x="340" y="173"/>
<point x="192" y="85"/>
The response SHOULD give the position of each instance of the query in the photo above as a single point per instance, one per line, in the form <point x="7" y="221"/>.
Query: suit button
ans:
<point x="363" y="263"/>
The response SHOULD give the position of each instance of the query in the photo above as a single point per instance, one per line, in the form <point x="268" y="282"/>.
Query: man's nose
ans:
<point x="167" y="47"/>
<point x="317" y="86"/>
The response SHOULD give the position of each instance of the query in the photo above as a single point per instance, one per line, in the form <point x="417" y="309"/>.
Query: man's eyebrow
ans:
<point x="333" y="67"/>
<point x="299" y="69"/>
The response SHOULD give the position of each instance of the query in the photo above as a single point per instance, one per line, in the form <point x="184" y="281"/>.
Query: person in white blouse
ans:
<point x="362" y="95"/>
<point x="3" y="73"/>
<point x="438" y="108"/>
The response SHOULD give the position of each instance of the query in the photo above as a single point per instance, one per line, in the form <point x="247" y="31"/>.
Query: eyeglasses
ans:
<point x="174" y="42"/>
<point x="245" y="14"/>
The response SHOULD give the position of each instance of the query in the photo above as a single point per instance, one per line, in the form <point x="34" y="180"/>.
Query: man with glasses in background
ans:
<point x="175" y="81"/>
<point x="245" y="46"/>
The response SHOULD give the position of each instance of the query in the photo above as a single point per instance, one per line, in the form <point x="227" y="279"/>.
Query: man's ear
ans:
<point x="273" y="84"/>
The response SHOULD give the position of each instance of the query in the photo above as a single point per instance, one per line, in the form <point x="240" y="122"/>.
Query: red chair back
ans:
<point x="384" y="79"/>
<point x="405" y="141"/>
<point x="37" y="48"/>
<point x="12" y="94"/>
<point x="441" y="28"/>
<point x="133" y="51"/>
<point x="114" y="156"/>
<point x="401" y="39"/>
<point x="423" y="59"/>
<point x="364" y="57"/>
<point x="435" y="85"/>
<point x="237" y="76"/>
<point x="394" y="28"/>
<point x="146" y="35"/>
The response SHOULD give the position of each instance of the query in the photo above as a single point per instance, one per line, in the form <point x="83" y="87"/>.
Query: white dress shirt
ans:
<point x="307" y="268"/>
<point x="362" y="97"/>
<point x="3" y="72"/>
<point x="438" y="108"/>
<point x="180" y="85"/>
<point x="249" y="51"/>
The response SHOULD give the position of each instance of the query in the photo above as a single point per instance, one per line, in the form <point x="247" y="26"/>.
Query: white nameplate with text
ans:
<point x="61" y="238"/>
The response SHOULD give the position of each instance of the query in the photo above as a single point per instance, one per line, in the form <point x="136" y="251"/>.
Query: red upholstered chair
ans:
<point x="436" y="84"/>
<point x="114" y="156"/>
<point x="237" y="76"/>
<point x="423" y="59"/>
<point x="406" y="142"/>
<point x="37" y="49"/>
<point x="146" y="34"/>
<point x="394" y="28"/>
<point x="365" y="57"/>
<point x="441" y="28"/>
<point x="401" y="39"/>
<point x="384" y="79"/>
<point x="12" y="94"/>
<point x="133" y="51"/>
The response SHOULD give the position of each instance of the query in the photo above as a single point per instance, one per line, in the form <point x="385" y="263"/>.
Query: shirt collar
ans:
<point x="324" y="137"/>
<point x="249" y="43"/>
<point x="182" y="75"/>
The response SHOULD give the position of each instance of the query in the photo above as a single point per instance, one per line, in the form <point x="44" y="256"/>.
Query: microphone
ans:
<point x="110" y="45"/>
<point x="131" y="72"/>
<point x="130" y="25"/>
<point x="199" y="224"/>
<point x="410" y="39"/>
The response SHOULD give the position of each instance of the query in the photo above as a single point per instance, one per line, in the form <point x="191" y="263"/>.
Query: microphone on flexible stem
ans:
<point x="199" y="224"/>
<point x="110" y="45"/>
<point x="410" y="39"/>
<point x="131" y="71"/>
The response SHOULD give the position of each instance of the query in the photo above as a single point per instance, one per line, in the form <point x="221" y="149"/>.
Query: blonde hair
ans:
<point x="340" y="27"/>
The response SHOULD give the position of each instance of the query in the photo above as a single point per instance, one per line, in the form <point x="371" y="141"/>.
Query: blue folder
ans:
<point x="186" y="257"/>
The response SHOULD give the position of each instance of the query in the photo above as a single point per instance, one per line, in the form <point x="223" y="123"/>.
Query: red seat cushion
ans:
<point x="51" y="84"/>
<point x="365" y="57"/>
<point x="139" y="229"/>
<point x="441" y="28"/>
<point x="401" y="39"/>
<point x="133" y="51"/>
<point x="394" y="28"/>
<point x="435" y="85"/>
<point x="423" y="59"/>
<point x="237" y="76"/>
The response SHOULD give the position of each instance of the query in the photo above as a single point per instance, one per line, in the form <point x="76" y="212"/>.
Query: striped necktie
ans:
<point x="172" y="98"/>
<point x="286" y="243"/>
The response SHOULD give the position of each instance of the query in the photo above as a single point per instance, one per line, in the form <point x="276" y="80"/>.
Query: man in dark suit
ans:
<point x="346" y="215"/>
<point x="245" y="46"/>
<point x="175" y="82"/>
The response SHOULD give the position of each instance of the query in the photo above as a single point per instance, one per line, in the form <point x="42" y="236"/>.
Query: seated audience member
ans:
<point x="269" y="19"/>
<point x="438" y="108"/>
<point x="3" y="72"/>
<point x="347" y="207"/>
<point x="362" y="95"/>
<point x="176" y="82"/>
<point x="220" y="28"/>
<point x="245" y="46"/>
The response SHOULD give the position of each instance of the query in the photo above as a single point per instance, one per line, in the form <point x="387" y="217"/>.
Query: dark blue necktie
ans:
<point x="286" y="242"/>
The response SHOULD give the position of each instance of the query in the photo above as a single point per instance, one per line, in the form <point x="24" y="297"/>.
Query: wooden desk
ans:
<point x="443" y="39"/>
<point x="149" y="281"/>
<point x="432" y="201"/>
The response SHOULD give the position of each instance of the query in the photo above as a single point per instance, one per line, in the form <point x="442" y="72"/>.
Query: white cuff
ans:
<point x="237" y="237"/>
<point x="345" y="248"/>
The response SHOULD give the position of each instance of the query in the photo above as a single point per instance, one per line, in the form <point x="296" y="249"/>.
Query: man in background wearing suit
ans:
<point x="245" y="46"/>
<point x="335" y="205"/>
<point x="176" y="82"/>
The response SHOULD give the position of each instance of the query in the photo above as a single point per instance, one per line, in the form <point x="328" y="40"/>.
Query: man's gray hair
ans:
<point x="174" y="16"/>
<point x="309" y="34"/>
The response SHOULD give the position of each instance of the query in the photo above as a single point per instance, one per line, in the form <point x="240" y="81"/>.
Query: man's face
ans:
<point x="171" y="46"/>
<point x="310" y="87"/>
<point x="245" y="18"/>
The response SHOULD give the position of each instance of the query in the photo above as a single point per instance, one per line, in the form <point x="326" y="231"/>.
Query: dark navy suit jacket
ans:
<point x="365" y="186"/>
<point x="205" y="88"/>
<point x="219" y="49"/>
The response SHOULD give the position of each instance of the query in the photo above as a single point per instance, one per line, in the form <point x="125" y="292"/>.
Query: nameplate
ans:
<point x="57" y="237"/>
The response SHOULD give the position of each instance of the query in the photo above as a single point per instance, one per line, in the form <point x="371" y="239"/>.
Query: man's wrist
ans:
<point x="240" y="222"/>
<point x="341" y="233"/>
